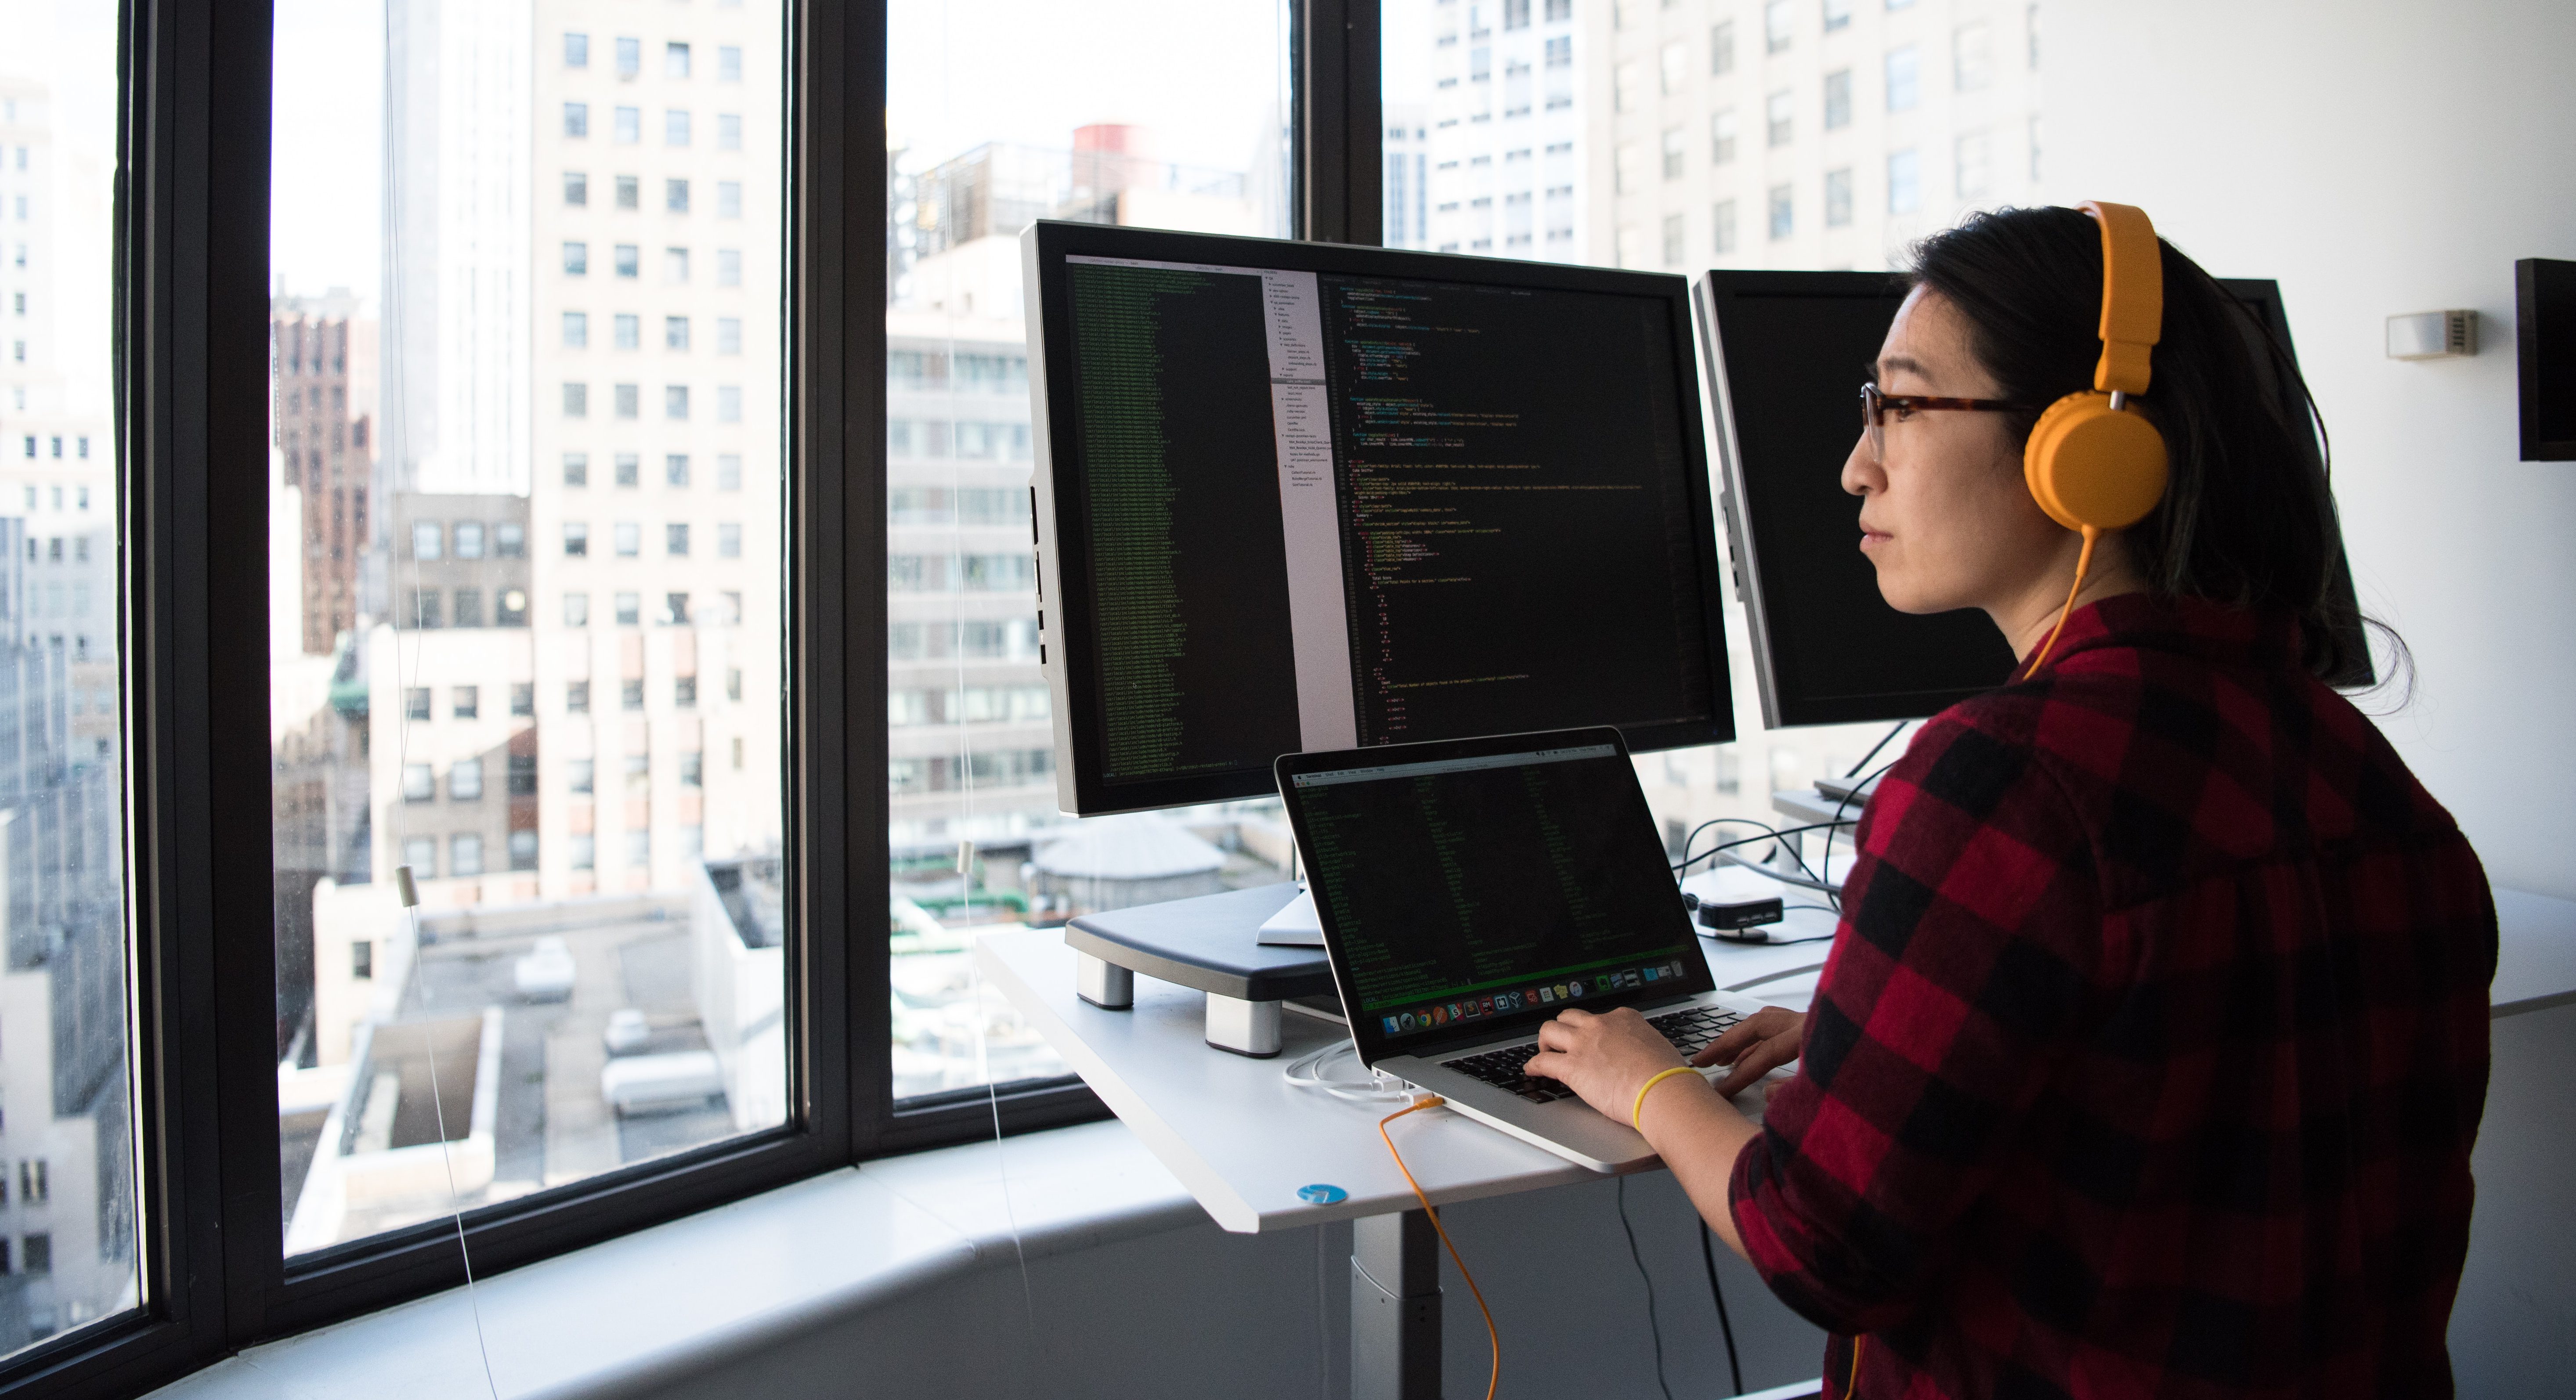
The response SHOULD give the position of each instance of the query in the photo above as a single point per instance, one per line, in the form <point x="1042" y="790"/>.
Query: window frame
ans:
<point x="194" y="119"/>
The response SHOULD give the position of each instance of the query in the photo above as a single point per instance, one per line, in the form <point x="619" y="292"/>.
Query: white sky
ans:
<point x="326" y="205"/>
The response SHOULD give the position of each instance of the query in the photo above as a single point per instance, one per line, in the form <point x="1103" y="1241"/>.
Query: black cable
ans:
<point x="1770" y="834"/>
<point x="1652" y="1325"/>
<point x="1835" y="893"/>
<point x="1687" y="857"/>
<point x="1717" y="1295"/>
<point x="1874" y="748"/>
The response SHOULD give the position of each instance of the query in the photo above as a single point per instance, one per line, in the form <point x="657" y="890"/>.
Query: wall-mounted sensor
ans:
<point x="2432" y="335"/>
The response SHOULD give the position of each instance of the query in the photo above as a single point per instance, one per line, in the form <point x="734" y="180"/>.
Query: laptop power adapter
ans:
<point x="1751" y="913"/>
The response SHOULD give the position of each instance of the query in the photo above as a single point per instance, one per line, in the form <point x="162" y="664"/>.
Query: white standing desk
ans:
<point x="1244" y="1140"/>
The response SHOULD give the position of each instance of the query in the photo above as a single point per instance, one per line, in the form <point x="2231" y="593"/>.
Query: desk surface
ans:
<point x="1243" y="1139"/>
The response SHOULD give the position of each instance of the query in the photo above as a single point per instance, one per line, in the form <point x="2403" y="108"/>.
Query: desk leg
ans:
<point x="1103" y="983"/>
<point x="1395" y="1308"/>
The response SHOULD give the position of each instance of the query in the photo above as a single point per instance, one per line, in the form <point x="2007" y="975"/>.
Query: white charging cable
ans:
<point x="1307" y="1072"/>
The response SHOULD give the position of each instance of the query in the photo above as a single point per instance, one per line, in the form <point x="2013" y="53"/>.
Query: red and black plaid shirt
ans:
<point x="2151" y="1048"/>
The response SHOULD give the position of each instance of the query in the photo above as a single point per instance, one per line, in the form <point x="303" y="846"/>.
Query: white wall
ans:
<point x="2380" y="157"/>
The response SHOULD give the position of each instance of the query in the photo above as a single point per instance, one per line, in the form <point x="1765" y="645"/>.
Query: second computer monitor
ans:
<point x="1787" y="354"/>
<point x="1299" y="496"/>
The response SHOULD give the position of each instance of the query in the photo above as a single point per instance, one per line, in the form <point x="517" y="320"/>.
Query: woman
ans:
<point x="2152" y="1044"/>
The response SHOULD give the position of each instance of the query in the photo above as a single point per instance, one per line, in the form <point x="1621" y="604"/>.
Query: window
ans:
<point x="629" y="399"/>
<point x="684" y="692"/>
<point x="728" y="199"/>
<point x="469" y="539"/>
<point x="728" y="267"/>
<point x="576" y="189"/>
<point x="576" y="120"/>
<point x="1721" y="49"/>
<point x="465" y="853"/>
<point x="675" y="402"/>
<point x="675" y="266"/>
<point x="465" y="702"/>
<point x="675" y="469"/>
<point x="510" y="608"/>
<point x="1722" y="221"/>
<point x="38" y="1257"/>
<point x="629" y="469"/>
<point x="465" y="783"/>
<point x="1904" y="182"/>
<point x="675" y="540"/>
<point x="1838" y="99"/>
<point x="729" y="63"/>
<point x="629" y="332"/>
<point x="523" y="698"/>
<point x="728" y="335"/>
<point x="577" y="702"/>
<point x="576" y="469"/>
<point x="576" y="609"/>
<point x="675" y="332"/>
<point x="427" y="540"/>
<point x="675" y="127"/>
<point x="1676" y="152"/>
<point x="630" y="57"/>
<point x="1560" y="53"/>
<point x="509" y="540"/>
<point x="362" y="959"/>
<point x="675" y="196"/>
<point x="1721" y="137"/>
<point x="576" y="259"/>
<point x="1779" y="25"/>
<point x="630" y="609"/>
<point x="1558" y="11"/>
<point x="577" y="773"/>
<point x="585" y="851"/>
<point x="576" y="50"/>
<point x="1838" y="198"/>
<point x="729" y="407"/>
<point x="1783" y="211"/>
<point x="1975" y="164"/>
<point x="576" y="400"/>
<point x="523" y="848"/>
<point x="630" y="126"/>
<point x="1673" y="64"/>
<point x="675" y="610"/>
<point x="728" y="131"/>
<point x="675" y="60"/>
<point x="416" y="702"/>
<point x="1904" y="79"/>
<point x="1673" y="240"/>
<point x="419" y="783"/>
<point x="728" y="471"/>
<point x="576" y="536"/>
<point x="576" y="327"/>
<point x="1838" y="15"/>
<point x="729" y="541"/>
<point x="1972" y="56"/>
<point x="631" y="695"/>
<point x="630" y="260"/>
<point x="630" y="193"/>
<point x="1782" y="116"/>
<point x="630" y="539"/>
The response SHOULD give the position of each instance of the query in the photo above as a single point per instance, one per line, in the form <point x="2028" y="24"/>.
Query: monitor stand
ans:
<point x="1295" y="925"/>
<point x="1212" y="943"/>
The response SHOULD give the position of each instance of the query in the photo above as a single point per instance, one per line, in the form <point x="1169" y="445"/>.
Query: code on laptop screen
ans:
<point x="1471" y="887"/>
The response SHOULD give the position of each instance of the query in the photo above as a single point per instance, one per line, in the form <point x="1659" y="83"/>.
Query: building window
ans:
<point x="427" y="541"/>
<point x="1904" y="79"/>
<point x="675" y="402"/>
<point x="1975" y="164"/>
<point x="1838" y="198"/>
<point x="675" y="332"/>
<point x="576" y="609"/>
<point x="728" y="131"/>
<point x="465" y="853"/>
<point x="577" y="702"/>
<point x="728" y="335"/>
<point x="1972" y="57"/>
<point x="523" y="698"/>
<point x="1721" y="137"/>
<point x="576" y="324"/>
<point x="630" y="609"/>
<point x="1676" y="152"/>
<point x="675" y="606"/>
<point x="39" y="1250"/>
<point x="629" y="330"/>
<point x="465" y="702"/>
<point x="416" y="702"/>
<point x="421" y="854"/>
<point x="1559" y="11"/>
<point x="362" y="959"/>
<point x="630" y="260"/>
<point x="675" y="126"/>
<point x="576" y="259"/>
<point x="576" y="187"/>
<point x="1516" y="14"/>
<point x="578" y="772"/>
<point x="465" y="782"/>
<point x="1673" y="63"/>
<point x="1779" y="25"/>
<point x="576" y="50"/>
<point x="509" y="540"/>
<point x="1560" y="51"/>
<point x="630" y="193"/>
<point x="630" y="694"/>
<point x="1904" y="182"/>
<point x="1783" y="211"/>
<point x="630" y="57"/>
<point x="684" y="692"/>
<point x="728" y="471"/>
<point x="1721" y="49"/>
<point x="675" y="196"/>
<point x="1722" y="222"/>
<point x="629" y="469"/>
<point x="630" y="400"/>
<point x="630" y="539"/>
<point x="510" y="608"/>
<point x="576" y="469"/>
<point x="675" y="60"/>
<point x="1673" y="253"/>
<point x="1781" y="114"/>
<point x="1838" y="99"/>
<point x="576" y="536"/>
<point x="1838" y="15"/>
<point x="639" y="847"/>
<point x="469" y="539"/>
<point x="630" y="126"/>
<point x="729" y="541"/>
<point x="675" y="539"/>
<point x="523" y="849"/>
<point x="728" y="403"/>
<point x="675" y="266"/>
<point x="419" y="783"/>
<point x="576" y="400"/>
<point x="675" y="469"/>
<point x="576" y="119"/>
<point x="585" y="851"/>
<point x="424" y="608"/>
<point x="728" y="199"/>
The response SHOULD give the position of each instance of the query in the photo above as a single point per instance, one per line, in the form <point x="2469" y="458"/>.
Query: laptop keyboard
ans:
<point x="1689" y="1029"/>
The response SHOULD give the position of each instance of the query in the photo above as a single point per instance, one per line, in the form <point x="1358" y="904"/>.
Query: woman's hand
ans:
<point x="1604" y="1058"/>
<point x="1754" y="1046"/>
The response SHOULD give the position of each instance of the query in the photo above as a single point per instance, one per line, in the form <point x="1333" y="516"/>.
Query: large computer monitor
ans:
<point x="1787" y="354"/>
<point x="1299" y="496"/>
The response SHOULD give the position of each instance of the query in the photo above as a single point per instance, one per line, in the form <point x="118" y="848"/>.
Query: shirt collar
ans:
<point x="2216" y="633"/>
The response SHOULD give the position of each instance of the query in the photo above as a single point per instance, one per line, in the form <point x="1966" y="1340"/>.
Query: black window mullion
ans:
<point x="1340" y="146"/>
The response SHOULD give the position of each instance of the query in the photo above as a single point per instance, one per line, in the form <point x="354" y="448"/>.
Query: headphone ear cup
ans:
<point x="2089" y="464"/>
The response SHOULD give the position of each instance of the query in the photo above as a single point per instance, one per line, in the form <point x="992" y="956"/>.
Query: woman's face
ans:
<point x="1944" y="515"/>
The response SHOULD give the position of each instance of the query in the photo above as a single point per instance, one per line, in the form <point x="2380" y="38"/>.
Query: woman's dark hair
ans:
<point x="2247" y="518"/>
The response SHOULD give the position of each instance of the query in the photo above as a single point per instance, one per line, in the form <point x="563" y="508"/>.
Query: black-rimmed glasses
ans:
<point x="1874" y="407"/>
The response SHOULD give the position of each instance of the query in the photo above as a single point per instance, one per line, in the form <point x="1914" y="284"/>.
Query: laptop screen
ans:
<point x="1464" y="890"/>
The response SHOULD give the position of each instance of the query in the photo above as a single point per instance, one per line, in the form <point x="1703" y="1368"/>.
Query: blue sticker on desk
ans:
<point x="1322" y="1195"/>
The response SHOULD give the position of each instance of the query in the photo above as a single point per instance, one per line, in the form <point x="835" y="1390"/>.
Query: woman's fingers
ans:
<point x="1757" y="1062"/>
<point x="1726" y="1047"/>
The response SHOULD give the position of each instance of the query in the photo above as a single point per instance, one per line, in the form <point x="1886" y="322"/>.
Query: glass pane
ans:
<point x="67" y="1197"/>
<point x="1002" y="112"/>
<point x="526" y="592"/>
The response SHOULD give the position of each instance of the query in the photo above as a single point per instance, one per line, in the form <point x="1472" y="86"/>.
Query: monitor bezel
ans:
<point x="1366" y="1036"/>
<point x="1065" y="642"/>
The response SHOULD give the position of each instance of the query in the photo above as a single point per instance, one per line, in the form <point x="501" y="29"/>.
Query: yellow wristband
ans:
<point x="1637" y="1114"/>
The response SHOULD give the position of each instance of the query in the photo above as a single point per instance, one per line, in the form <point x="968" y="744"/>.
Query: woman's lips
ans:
<point x="1870" y="538"/>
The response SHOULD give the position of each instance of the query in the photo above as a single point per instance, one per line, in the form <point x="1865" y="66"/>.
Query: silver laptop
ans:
<point x="1470" y="890"/>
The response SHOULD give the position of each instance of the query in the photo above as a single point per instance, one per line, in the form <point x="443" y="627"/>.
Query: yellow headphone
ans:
<point x="2093" y="463"/>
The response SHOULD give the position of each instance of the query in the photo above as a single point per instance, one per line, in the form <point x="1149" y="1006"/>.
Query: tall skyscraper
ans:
<point x="1509" y="121"/>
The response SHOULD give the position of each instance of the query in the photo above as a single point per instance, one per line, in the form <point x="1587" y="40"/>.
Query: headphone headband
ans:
<point x="2133" y="296"/>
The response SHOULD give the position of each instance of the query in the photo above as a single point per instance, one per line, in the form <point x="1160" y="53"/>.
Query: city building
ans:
<point x="1510" y="149"/>
<point x="322" y="368"/>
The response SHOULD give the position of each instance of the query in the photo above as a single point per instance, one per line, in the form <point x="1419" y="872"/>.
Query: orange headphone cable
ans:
<point x="2083" y="562"/>
<point x="1496" y="1378"/>
<point x="1854" y="1387"/>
